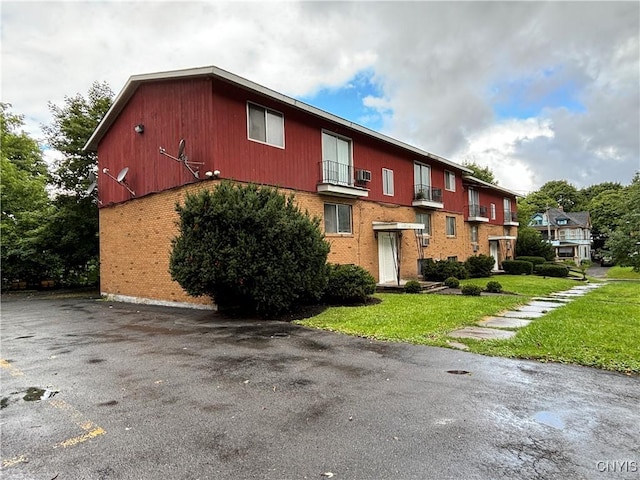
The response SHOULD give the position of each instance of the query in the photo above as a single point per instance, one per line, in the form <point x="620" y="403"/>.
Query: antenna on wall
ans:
<point x="182" y="158"/>
<point x="120" y="178"/>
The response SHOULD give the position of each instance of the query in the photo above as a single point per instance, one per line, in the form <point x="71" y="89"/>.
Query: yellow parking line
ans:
<point x="10" y="462"/>
<point x="13" y="371"/>
<point x="81" y="438"/>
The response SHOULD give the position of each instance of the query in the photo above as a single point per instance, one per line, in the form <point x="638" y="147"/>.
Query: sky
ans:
<point x="536" y="91"/>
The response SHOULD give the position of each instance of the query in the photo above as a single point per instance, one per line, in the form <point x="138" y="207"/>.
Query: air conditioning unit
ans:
<point x="425" y="241"/>
<point x="363" y="175"/>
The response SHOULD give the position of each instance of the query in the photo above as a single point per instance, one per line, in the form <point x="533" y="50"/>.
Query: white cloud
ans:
<point x="437" y="65"/>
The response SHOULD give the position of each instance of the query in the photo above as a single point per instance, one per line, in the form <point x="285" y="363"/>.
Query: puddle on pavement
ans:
<point x="550" y="419"/>
<point x="34" y="394"/>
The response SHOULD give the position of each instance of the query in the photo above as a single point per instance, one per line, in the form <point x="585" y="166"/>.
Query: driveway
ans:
<point x="150" y="392"/>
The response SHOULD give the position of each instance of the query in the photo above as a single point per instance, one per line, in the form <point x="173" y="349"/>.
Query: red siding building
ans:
<point x="386" y="205"/>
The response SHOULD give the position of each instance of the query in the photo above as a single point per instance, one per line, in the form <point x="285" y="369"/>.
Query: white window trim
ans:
<point x="338" y="232"/>
<point x="493" y="211"/>
<point x="450" y="235"/>
<point x="426" y="232"/>
<point x="266" y="109"/>
<point x="351" y="180"/>
<point x="453" y="175"/>
<point x="387" y="181"/>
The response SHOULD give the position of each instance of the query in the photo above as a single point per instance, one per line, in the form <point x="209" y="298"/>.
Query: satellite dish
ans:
<point x="181" y="146"/>
<point x="91" y="188"/>
<point x="92" y="177"/>
<point x="122" y="174"/>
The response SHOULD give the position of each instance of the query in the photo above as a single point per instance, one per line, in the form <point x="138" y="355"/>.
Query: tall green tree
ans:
<point x="26" y="206"/>
<point x="531" y="244"/>
<point x="483" y="173"/>
<point x="624" y="241"/>
<point x="73" y="229"/>
<point x="563" y="194"/>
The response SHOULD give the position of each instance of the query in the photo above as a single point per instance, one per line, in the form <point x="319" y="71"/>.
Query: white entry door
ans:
<point x="494" y="251"/>
<point x="387" y="256"/>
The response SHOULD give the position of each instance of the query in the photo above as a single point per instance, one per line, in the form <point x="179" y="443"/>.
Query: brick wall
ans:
<point x="135" y="241"/>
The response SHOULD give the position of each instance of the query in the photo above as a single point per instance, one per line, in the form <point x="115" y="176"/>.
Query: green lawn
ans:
<point x="623" y="273"/>
<point x="599" y="330"/>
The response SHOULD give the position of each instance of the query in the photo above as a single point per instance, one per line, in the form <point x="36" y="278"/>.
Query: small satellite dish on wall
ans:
<point x="93" y="182"/>
<point x="120" y="178"/>
<point x="182" y="158"/>
<point x="122" y="174"/>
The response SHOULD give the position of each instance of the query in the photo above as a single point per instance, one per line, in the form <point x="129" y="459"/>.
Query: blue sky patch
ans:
<point x="527" y="97"/>
<point x="347" y="100"/>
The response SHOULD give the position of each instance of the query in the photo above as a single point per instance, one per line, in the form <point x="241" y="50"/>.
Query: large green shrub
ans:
<point x="248" y="247"/>
<point x="534" y="260"/>
<point x="480" y="266"/>
<point x="531" y="243"/>
<point x="517" y="267"/>
<point x="471" y="290"/>
<point x="443" y="269"/>
<point x="552" y="270"/>
<point x="348" y="284"/>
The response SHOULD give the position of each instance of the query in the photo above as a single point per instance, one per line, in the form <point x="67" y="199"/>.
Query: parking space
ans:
<point x="151" y="392"/>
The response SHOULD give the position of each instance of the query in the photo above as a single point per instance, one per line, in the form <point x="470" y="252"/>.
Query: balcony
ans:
<point x="510" y="218"/>
<point x="427" y="196"/>
<point x="477" y="213"/>
<point x="337" y="180"/>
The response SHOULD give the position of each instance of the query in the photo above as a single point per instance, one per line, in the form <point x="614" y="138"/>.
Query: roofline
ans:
<point x="490" y="185"/>
<point x="211" y="71"/>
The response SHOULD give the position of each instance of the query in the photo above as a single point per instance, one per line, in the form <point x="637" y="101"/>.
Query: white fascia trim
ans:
<point x="111" y="297"/>
<point x="389" y="226"/>
<point x="490" y="185"/>
<point x="133" y="82"/>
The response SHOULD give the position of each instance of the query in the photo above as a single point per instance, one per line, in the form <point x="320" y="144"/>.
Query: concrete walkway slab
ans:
<point x="534" y="308"/>
<point x="480" y="333"/>
<point x="520" y="314"/>
<point x="557" y="300"/>
<point x="501" y="322"/>
<point x="548" y="305"/>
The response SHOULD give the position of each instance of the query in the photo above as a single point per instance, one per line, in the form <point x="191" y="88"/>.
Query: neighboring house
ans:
<point x="384" y="204"/>
<point x="568" y="232"/>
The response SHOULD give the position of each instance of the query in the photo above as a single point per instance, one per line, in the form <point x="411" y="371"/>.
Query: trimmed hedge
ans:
<point x="412" y="286"/>
<point x="493" y="287"/>
<point x="517" y="267"/>
<point x="443" y="269"/>
<point x="480" y="266"/>
<point x="348" y="284"/>
<point x="552" y="270"/>
<point x="471" y="290"/>
<point x="452" y="282"/>
<point x="534" y="260"/>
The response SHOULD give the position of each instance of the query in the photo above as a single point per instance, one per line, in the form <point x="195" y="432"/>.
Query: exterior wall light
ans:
<point x="139" y="128"/>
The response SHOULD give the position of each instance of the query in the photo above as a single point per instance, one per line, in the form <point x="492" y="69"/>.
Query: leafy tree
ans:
<point x="530" y="243"/>
<point x="483" y="173"/>
<point x="563" y="194"/>
<point x="72" y="232"/>
<point x="592" y="191"/>
<point x="533" y="203"/>
<point x="624" y="242"/>
<point x="249" y="246"/>
<point x="25" y="204"/>
<point x="607" y="210"/>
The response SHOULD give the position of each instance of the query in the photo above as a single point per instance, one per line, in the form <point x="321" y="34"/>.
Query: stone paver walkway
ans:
<point x="491" y="327"/>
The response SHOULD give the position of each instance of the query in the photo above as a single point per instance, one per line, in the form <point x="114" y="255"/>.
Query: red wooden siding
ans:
<point x="211" y="115"/>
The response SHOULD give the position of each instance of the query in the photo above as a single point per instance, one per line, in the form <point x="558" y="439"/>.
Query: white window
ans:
<point x="474" y="233"/>
<point x="337" y="218"/>
<point x="451" y="226"/>
<point x="336" y="159"/>
<point x="387" y="181"/>
<point x="265" y="125"/>
<point x="449" y="181"/>
<point x="424" y="218"/>
<point x="493" y="211"/>
<point x="422" y="179"/>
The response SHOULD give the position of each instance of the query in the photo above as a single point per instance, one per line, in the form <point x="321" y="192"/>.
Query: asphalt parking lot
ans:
<point x="139" y="392"/>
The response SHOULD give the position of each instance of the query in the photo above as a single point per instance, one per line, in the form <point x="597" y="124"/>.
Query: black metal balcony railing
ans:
<point x="336" y="173"/>
<point x="427" y="192"/>
<point x="477" y="211"/>
<point x="510" y="216"/>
